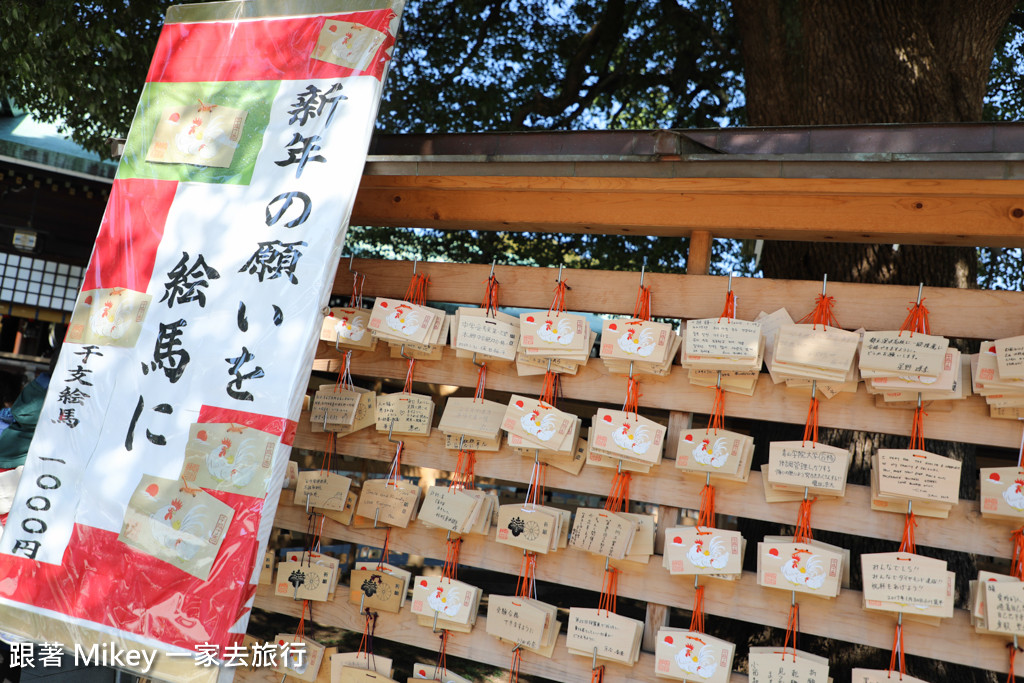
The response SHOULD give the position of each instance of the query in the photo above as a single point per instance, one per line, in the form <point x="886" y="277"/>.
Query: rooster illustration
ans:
<point x="638" y="441"/>
<point x="920" y="379"/>
<point x="112" y="320"/>
<point x="804" y="571"/>
<point x="296" y="659"/>
<point x="705" y="555"/>
<point x="641" y="344"/>
<point x="1014" y="496"/>
<point x="542" y="428"/>
<point x="447" y="605"/>
<point x="560" y="334"/>
<point x="236" y="468"/>
<point x="350" y="328"/>
<point x="205" y="141"/>
<point x="706" y="454"/>
<point x="182" y="533"/>
<point x="404" y="319"/>
<point x="340" y="46"/>
<point x="699" y="662"/>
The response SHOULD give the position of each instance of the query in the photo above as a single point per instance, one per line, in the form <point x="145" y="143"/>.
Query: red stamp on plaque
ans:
<point x="769" y="579"/>
<point x="601" y="441"/>
<point x="417" y="606"/>
<point x="991" y="504"/>
<point x="503" y="534"/>
<point x="664" y="665"/>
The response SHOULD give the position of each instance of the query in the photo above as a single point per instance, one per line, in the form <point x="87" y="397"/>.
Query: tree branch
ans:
<point x="495" y="6"/>
<point x="601" y="36"/>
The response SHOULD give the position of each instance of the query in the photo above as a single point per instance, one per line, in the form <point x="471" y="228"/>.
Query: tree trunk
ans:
<point x="819" y="62"/>
<point x="877" y="263"/>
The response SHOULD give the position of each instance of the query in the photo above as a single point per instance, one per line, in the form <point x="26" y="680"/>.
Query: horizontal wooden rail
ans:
<point x="970" y="313"/>
<point x="968" y="420"/>
<point x="954" y="313"/>
<point x="478" y="646"/>
<point x="902" y="211"/>
<point x="842" y="618"/>
<point x="965" y="529"/>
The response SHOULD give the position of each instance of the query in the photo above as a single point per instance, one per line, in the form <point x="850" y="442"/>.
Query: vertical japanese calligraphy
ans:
<point x="163" y="441"/>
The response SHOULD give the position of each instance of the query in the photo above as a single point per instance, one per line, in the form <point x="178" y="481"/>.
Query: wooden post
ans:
<point x="656" y="618"/>
<point x="699" y="256"/>
<point x="668" y="517"/>
<point x="677" y="422"/>
<point x="975" y="314"/>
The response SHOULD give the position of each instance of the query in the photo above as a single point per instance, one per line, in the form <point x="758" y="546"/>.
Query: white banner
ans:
<point x="152" y="481"/>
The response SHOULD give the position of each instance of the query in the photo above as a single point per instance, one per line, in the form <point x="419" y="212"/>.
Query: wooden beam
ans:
<point x="914" y="211"/>
<point x="970" y="313"/>
<point x="476" y="645"/>
<point x="967" y="421"/>
<point x="842" y="618"/>
<point x="965" y="530"/>
<point x="698" y="256"/>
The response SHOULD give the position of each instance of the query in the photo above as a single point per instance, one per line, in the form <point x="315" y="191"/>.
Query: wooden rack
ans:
<point x="954" y="313"/>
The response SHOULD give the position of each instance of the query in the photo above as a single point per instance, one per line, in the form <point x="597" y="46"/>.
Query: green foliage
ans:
<point x="460" y="65"/>
<point x="82" y="63"/>
<point x="474" y="65"/>
<point x="575" y="251"/>
<point x="466" y="66"/>
<point x="471" y="65"/>
<point x="1000" y="268"/>
<point x="605" y="252"/>
<point x="1005" y="98"/>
